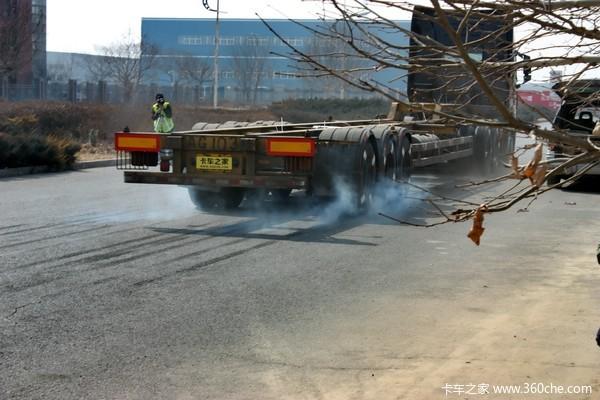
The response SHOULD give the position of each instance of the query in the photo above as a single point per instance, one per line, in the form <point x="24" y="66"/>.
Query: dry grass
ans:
<point x="101" y="151"/>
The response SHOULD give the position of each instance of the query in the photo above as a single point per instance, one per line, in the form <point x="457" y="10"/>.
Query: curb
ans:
<point x="95" y="164"/>
<point x="13" y="172"/>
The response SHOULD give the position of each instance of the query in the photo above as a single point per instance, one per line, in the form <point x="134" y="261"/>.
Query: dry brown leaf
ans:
<point x="537" y="154"/>
<point x="477" y="228"/>
<point x="531" y="167"/>
<point x="540" y="175"/>
<point x="596" y="131"/>
<point x="529" y="171"/>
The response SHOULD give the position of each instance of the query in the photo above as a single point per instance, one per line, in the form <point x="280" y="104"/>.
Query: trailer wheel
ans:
<point x="508" y="146"/>
<point x="484" y="151"/>
<point x="203" y="199"/>
<point x="553" y="180"/>
<point x="404" y="159"/>
<point x="390" y="161"/>
<point x="231" y="197"/>
<point x="227" y="198"/>
<point x="281" y="195"/>
<point x="499" y="151"/>
<point x="367" y="178"/>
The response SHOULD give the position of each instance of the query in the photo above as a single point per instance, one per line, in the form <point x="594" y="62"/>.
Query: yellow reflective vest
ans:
<point x="162" y="116"/>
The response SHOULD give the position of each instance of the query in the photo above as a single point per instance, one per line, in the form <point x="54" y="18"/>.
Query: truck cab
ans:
<point x="578" y="114"/>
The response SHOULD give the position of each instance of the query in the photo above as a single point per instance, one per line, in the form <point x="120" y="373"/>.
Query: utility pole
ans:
<point x="216" y="55"/>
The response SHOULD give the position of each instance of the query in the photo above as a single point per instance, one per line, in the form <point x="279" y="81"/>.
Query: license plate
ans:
<point x="214" y="162"/>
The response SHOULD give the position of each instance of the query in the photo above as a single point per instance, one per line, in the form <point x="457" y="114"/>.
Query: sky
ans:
<point x="82" y="26"/>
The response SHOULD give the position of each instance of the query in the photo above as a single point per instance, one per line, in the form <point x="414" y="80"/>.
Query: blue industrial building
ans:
<point x="252" y="64"/>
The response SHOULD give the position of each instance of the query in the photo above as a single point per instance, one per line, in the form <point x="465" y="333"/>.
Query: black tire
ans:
<point x="404" y="164"/>
<point x="499" y="152"/>
<point x="367" y="177"/>
<point x="281" y="195"/>
<point x="390" y="161"/>
<point x="231" y="197"/>
<point x="504" y="137"/>
<point x="484" y="151"/>
<point x="203" y="199"/>
<point x="553" y="180"/>
<point x="227" y="198"/>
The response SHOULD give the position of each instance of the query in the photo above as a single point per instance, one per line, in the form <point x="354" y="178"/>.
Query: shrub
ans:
<point x="66" y="151"/>
<point x="35" y="150"/>
<point x="25" y="123"/>
<point x="45" y="118"/>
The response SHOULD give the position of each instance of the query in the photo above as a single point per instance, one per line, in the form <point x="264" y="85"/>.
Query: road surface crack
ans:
<point x="20" y="307"/>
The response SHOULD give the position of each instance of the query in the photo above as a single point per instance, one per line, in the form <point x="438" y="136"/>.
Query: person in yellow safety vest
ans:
<point x="162" y="114"/>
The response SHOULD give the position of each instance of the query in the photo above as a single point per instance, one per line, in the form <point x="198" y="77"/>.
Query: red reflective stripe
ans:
<point x="137" y="142"/>
<point x="291" y="147"/>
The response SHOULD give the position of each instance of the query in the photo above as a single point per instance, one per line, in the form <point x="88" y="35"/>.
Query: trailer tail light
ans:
<point x="136" y="150"/>
<point x="166" y="155"/>
<point x="291" y="147"/>
<point x="137" y="142"/>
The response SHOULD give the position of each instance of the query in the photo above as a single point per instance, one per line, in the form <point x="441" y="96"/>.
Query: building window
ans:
<point x="227" y="75"/>
<point x="283" y="75"/>
<point x="296" y="42"/>
<point x="255" y="41"/>
<point x="227" y="41"/>
<point x="208" y="40"/>
<point x="190" y="40"/>
<point x="322" y="42"/>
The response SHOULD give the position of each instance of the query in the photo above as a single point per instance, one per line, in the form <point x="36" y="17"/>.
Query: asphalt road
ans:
<point x="115" y="291"/>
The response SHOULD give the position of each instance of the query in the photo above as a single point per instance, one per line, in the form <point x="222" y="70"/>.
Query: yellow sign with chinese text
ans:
<point x="214" y="162"/>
